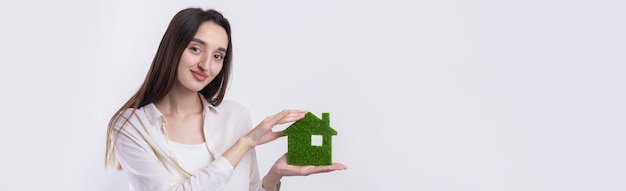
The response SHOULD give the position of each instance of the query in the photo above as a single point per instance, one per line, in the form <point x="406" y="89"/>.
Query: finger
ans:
<point x="294" y="116"/>
<point x="269" y="136"/>
<point x="274" y="119"/>
<point x="296" y="112"/>
<point x="339" y="166"/>
<point x="325" y="169"/>
<point x="300" y="111"/>
<point x="317" y="170"/>
<point x="275" y="135"/>
<point x="280" y="133"/>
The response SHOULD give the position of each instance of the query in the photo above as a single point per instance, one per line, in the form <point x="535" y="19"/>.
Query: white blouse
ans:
<point x="153" y="163"/>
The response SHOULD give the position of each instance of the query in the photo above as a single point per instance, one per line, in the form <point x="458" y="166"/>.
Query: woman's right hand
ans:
<point x="285" y="169"/>
<point x="271" y="181"/>
<point x="263" y="133"/>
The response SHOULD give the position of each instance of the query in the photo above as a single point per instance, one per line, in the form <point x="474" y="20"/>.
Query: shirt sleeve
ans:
<point x="147" y="172"/>
<point x="255" y="181"/>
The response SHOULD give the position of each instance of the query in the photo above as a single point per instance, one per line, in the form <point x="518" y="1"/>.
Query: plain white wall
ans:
<point x="426" y="95"/>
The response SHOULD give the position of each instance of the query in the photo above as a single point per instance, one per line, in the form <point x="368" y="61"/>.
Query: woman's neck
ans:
<point x="180" y="102"/>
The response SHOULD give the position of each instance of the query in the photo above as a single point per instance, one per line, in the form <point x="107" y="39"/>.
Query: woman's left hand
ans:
<point x="263" y="133"/>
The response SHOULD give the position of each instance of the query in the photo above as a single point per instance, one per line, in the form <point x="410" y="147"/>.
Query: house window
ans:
<point x="316" y="140"/>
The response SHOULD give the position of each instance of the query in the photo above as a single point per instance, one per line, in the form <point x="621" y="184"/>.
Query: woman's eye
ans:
<point x="195" y="49"/>
<point x="218" y="56"/>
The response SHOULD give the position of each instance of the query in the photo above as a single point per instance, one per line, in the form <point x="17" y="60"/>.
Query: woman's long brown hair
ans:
<point x="162" y="73"/>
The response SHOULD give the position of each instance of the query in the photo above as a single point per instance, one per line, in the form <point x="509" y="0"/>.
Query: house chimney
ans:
<point x="326" y="118"/>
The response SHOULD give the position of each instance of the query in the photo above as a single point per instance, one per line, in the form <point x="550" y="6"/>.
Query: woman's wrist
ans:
<point x="248" y="142"/>
<point x="236" y="152"/>
<point x="271" y="181"/>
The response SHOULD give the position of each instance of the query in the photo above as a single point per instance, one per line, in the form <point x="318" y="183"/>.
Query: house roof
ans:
<point x="311" y="125"/>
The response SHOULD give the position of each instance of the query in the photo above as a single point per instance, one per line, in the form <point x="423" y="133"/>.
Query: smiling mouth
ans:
<point x="199" y="76"/>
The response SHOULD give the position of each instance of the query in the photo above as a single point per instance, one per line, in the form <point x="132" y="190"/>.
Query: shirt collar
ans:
<point x="155" y="115"/>
<point x="207" y="105"/>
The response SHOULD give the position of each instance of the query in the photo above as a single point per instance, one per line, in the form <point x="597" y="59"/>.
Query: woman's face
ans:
<point x="203" y="57"/>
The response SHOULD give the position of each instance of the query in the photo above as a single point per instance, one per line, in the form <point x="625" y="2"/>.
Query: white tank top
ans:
<point x="191" y="157"/>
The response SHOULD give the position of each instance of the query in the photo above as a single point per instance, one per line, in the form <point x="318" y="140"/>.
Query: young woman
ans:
<point x="178" y="133"/>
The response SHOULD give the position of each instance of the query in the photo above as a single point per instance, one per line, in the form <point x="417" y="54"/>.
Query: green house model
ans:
<point x="310" y="141"/>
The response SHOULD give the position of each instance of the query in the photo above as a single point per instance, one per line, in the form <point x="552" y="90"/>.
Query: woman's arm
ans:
<point x="141" y="163"/>
<point x="146" y="172"/>
<point x="271" y="181"/>
<point x="261" y="134"/>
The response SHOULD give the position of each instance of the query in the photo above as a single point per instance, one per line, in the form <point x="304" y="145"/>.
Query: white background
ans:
<point x="426" y="95"/>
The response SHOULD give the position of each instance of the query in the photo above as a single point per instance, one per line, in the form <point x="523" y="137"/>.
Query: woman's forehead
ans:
<point x="211" y="34"/>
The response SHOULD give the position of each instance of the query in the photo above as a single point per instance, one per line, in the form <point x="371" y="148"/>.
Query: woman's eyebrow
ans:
<point x="198" y="41"/>
<point x="204" y="44"/>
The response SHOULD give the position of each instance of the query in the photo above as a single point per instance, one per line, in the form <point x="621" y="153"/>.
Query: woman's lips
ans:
<point x="199" y="75"/>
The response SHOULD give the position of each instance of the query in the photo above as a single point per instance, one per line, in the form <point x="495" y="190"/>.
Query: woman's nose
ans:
<point x="205" y="63"/>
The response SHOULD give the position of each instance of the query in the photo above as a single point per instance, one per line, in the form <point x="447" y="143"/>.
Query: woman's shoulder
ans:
<point x="129" y="117"/>
<point x="133" y="113"/>
<point x="233" y="108"/>
<point x="232" y="105"/>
